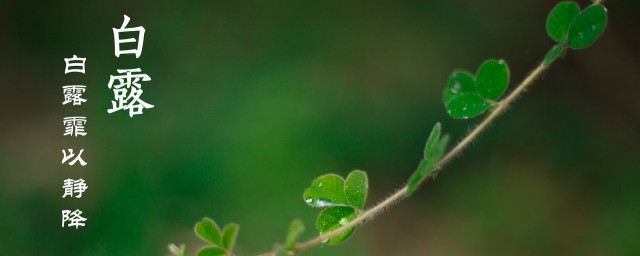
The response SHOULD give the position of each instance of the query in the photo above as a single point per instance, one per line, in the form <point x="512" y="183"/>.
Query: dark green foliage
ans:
<point x="568" y="26"/>
<point x="344" y="200"/>
<point x="560" y="19"/>
<point x="465" y="96"/>
<point x="333" y="218"/>
<point x="587" y="27"/>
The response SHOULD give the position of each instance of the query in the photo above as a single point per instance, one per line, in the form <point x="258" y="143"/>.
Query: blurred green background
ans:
<point x="255" y="99"/>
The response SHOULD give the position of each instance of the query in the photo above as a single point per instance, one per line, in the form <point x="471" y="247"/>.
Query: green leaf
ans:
<point x="438" y="152"/>
<point x="587" y="27"/>
<point x="296" y="228"/>
<point x="560" y="19"/>
<point x="356" y="187"/>
<point x="554" y="53"/>
<point x="418" y="176"/>
<point x="333" y="218"/>
<point x="492" y="79"/>
<point x="212" y="251"/>
<point x="208" y="231"/>
<point x="459" y="82"/>
<point x="426" y="167"/>
<point x="230" y="235"/>
<point x="466" y="106"/>
<point x="434" y="136"/>
<point x="326" y="190"/>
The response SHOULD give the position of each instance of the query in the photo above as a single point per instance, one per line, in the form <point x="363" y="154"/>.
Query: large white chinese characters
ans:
<point x="127" y="86"/>
<point x="127" y="91"/>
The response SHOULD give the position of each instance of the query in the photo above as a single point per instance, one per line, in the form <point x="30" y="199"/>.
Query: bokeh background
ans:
<point x="255" y="99"/>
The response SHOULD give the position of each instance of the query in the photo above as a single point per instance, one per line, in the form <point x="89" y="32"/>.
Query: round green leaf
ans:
<point x="492" y="79"/>
<point x="229" y="236"/>
<point x="326" y="190"/>
<point x="295" y="230"/>
<point x="211" y="251"/>
<point x="356" y="187"/>
<point x="333" y="218"/>
<point x="208" y="231"/>
<point x="459" y="82"/>
<point x="466" y="106"/>
<point x="587" y="27"/>
<point x="560" y="18"/>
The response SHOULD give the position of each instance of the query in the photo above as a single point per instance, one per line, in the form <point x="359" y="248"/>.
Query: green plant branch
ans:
<point x="503" y="105"/>
<point x="455" y="151"/>
<point x="399" y="194"/>
<point x="588" y="26"/>
<point x="368" y="214"/>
